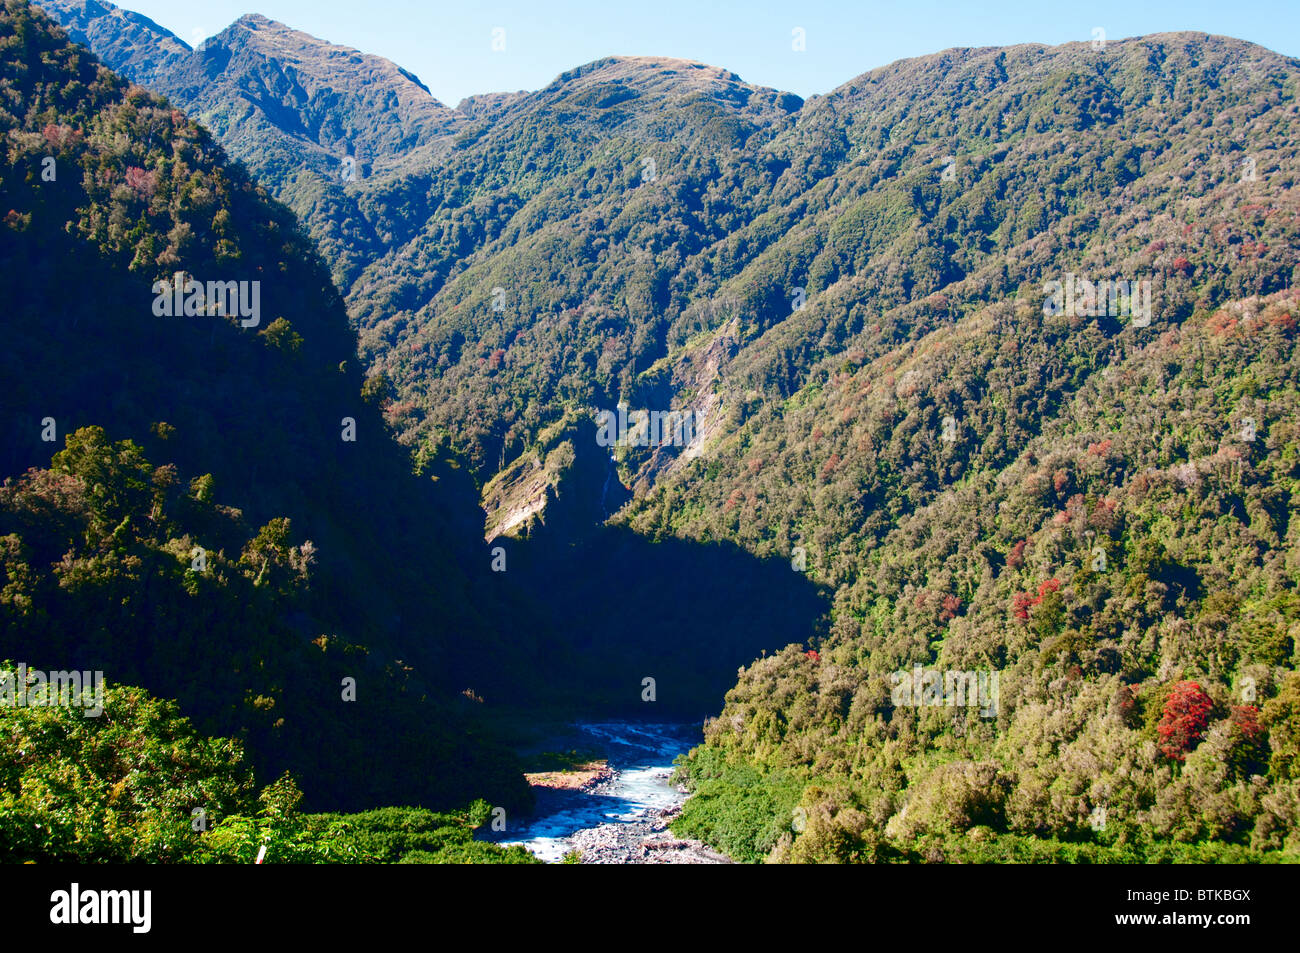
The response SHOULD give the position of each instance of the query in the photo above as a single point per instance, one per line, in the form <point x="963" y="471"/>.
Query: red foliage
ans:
<point x="1016" y="558"/>
<point x="1182" y="265"/>
<point x="141" y="182"/>
<point x="950" y="606"/>
<point x="1220" y="323"/>
<point x="1099" y="449"/>
<point x="1022" y="603"/>
<point x="1103" y="516"/>
<point x="1246" y="718"/>
<point x="58" y="136"/>
<point x="496" y="359"/>
<point x="1186" y="715"/>
<point x="395" y="410"/>
<point x="1285" y="320"/>
<point x="1127" y="696"/>
<point x="812" y="654"/>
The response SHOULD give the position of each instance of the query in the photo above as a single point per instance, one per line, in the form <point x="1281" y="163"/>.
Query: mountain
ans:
<point x="258" y="80"/>
<point x="204" y="501"/>
<point x="302" y="114"/>
<point x="259" y="84"/>
<point x="914" y="450"/>
<point x="127" y="42"/>
<point x="1141" y="541"/>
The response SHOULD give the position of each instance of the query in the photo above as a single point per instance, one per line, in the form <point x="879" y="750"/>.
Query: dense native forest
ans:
<point x="905" y="460"/>
<point x="199" y="527"/>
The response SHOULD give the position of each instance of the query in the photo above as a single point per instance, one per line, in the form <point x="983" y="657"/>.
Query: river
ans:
<point x="623" y="818"/>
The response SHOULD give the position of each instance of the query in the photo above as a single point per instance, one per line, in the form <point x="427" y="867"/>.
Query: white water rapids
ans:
<point x="641" y="756"/>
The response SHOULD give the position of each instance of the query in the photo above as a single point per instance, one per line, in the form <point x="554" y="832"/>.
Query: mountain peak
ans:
<point x="651" y="71"/>
<point x="279" y="40"/>
<point x="285" y="95"/>
<point x="126" y="41"/>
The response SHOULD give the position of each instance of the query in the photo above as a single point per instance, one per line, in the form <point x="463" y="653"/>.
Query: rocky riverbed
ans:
<point x="644" y="840"/>
<point x="615" y="811"/>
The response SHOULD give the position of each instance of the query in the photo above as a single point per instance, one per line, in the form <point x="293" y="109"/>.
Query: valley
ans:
<point x="725" y="428"/>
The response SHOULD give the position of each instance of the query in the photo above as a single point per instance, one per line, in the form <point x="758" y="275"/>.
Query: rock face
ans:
<point x="568" y="484"/>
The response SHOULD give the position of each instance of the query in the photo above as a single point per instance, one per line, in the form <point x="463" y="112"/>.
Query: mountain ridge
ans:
<point x="898" y="422"/>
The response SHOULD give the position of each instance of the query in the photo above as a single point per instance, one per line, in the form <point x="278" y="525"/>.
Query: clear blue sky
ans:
<point x="449" y="44"/>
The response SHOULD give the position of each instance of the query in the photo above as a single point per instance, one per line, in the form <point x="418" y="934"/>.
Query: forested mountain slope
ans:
<point x="658" y="230"/>
<point x="1137" y="551"/>
<point x="304" y="115"/>
<point x="852" y="294"/>
<point x="759" y="243"/>
<point x="226" y="520"/>
<point x="1091" y="505"/>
